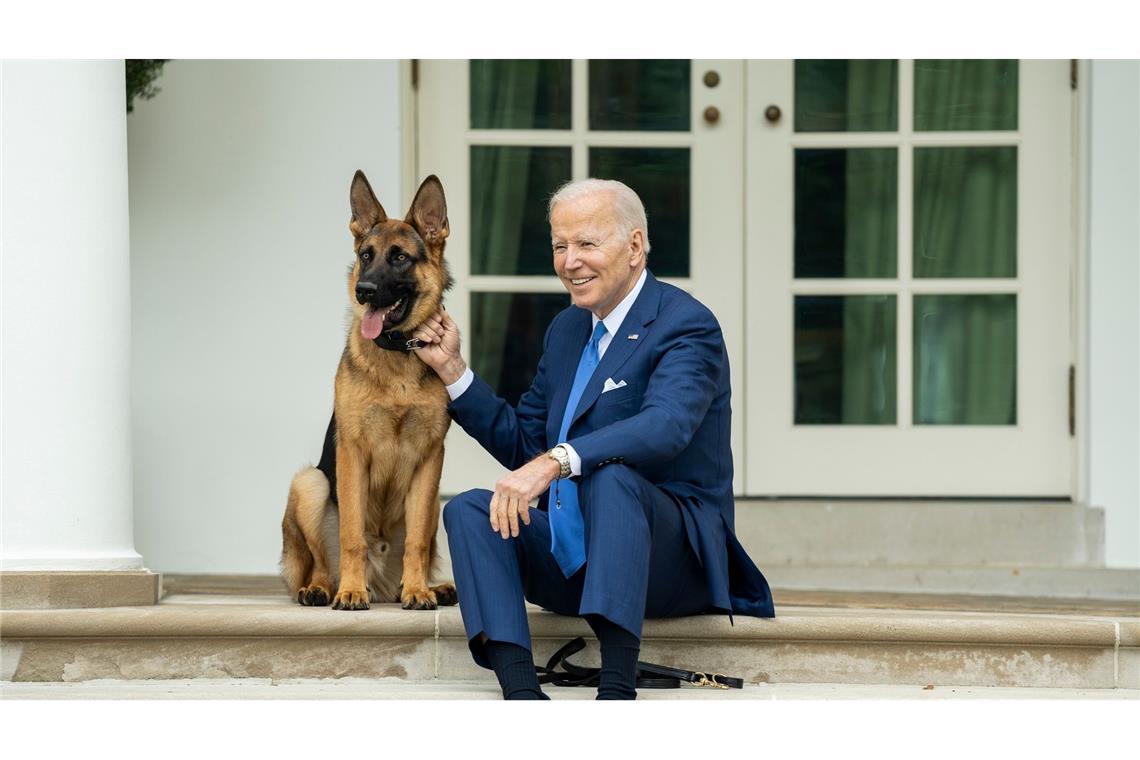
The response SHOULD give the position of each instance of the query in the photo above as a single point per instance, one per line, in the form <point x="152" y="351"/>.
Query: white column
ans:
<point x="65" y="270"/>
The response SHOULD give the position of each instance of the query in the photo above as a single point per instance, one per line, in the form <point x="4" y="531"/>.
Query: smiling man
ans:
<point x="624" y="438"/>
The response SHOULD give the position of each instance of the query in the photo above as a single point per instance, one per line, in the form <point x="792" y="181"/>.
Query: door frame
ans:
<point x="719" y="223"/>
<point x="845" y="452"/>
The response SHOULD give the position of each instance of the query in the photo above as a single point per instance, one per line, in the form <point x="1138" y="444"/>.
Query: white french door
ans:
<point x="908" y="252"/>
<point x="502" y="135"/>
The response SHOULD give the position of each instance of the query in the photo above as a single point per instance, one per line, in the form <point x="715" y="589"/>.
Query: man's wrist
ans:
<point x="450" y="372"/>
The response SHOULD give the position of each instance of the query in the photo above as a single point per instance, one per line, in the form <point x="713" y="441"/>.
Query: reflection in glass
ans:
<point x="532" y="94"/>
<point x="660" y="177"/>
<point x="965" y="359"/>
<point x="846" y="217"/>
<point x="965" y="95"/>
<point x="646" y="96"/>
<point x="846" y="96"/>
<point x="845" y="358"/>
<point x="510" y="187"/>
<point x="506" y="337"/>
<point x="965" y="212"/>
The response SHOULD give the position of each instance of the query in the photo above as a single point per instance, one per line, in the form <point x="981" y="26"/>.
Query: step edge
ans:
<point x="881" y="626"/>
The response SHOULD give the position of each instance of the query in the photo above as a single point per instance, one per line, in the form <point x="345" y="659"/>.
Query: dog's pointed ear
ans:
<point x="428" y="214"/>
<point x="366" y="210"/>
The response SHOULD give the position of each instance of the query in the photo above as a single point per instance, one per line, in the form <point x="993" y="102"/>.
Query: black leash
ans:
<point x="649" y="675"/>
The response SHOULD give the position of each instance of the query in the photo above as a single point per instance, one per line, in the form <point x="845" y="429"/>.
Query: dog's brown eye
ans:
<point x="402" y="257"/>
<point x="366" y="256"/>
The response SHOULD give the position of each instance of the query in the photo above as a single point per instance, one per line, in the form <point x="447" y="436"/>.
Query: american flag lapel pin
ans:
<point x="633" y="336"/>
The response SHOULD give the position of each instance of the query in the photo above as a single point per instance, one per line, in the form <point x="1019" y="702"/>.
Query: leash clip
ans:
<point x="706" y="679"/>
<point x="412" y="344"/>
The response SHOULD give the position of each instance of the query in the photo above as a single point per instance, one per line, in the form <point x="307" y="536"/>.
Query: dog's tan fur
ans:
<point x="391" y="418"/>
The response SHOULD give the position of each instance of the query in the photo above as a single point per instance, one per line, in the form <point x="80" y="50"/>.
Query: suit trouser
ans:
<point x="639" y="562"/>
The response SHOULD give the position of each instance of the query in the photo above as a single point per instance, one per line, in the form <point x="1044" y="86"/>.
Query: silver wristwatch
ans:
<point x="559" y="454"/>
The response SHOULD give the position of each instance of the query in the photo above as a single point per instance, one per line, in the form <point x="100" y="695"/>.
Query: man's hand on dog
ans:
<point x="441" y="350"/>
<point x="515" y="491"/>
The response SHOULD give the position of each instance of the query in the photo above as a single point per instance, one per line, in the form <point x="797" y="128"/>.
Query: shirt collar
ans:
<point x="614" y="319"/>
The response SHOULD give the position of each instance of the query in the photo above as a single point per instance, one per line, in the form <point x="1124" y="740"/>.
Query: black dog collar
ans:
<point x="393" y="340"/>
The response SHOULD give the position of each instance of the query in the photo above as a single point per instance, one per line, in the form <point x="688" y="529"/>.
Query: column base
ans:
<point x="51" y="590"/>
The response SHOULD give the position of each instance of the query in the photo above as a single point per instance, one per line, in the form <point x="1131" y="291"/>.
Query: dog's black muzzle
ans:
<point x="370" y="293"/>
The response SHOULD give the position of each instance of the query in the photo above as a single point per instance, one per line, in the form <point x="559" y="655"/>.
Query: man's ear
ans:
<point x="366" y="210"/>
<point x="428" y="214"/>
<point x="636" y="246"/>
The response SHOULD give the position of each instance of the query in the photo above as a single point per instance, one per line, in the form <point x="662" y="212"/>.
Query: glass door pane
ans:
<point x="640" y="96"/>
<point x="846" y="212"/>
<point x="965" y="95"/>
<point x="846" y="96"/>
<point x="519" y="94"/>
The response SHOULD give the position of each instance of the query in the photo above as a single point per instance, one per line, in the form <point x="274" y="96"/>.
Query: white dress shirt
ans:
<point x="613" y="321"/>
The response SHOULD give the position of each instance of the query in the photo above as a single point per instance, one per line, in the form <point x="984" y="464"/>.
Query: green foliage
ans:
<point x="140" y="80"/>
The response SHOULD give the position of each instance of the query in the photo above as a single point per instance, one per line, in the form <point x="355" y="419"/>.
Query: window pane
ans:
<point x="965" y="95"/>
<point x="510" y="187"/>
<point x="660" y="176"/>
<point x="845" y="356"/>
<point x="965" y="359"/>
<point x="506" y="337"/>
<point x="847" y="96"/>
<point x="846" y="212"/>
<point x="965" y="212"/>
<point x="640" y="95"/>
<point x="520" y="94"/>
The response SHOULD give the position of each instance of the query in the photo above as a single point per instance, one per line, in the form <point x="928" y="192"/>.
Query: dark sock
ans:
<point x="620" y="648"/>
<point x="515" y="670"/>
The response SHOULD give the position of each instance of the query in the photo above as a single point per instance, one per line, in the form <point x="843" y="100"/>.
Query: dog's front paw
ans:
<point x="445" y="594"/>
<point x="313" y="596"/>
<point x="417" y="598"/>
<point x="351" y="599"/>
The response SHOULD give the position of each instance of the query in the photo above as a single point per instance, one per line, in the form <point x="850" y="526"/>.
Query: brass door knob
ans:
<point x="712" y="114"/>
<point x="772" y="114"/>
<point x="712" y="79"/>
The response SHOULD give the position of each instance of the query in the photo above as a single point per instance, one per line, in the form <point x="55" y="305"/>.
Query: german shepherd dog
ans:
<point x="363" y="521"/>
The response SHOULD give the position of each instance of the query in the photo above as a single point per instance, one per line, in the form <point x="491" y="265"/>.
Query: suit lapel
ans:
<point x="641" y="314"/>
<point x="568" y="351"/>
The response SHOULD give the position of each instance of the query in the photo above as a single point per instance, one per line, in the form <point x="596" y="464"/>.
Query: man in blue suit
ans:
<point x="625" y="436"/>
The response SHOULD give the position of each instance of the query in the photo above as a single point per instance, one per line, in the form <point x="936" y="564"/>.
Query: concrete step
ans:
<point x="487" y="689"/>
<point x="265" y="636"/>
<point x="1018" y="582"/>
<point x="929" y="533"/>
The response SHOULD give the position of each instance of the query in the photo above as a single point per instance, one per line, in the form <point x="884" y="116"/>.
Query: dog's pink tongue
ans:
<point x="372" y="323"/>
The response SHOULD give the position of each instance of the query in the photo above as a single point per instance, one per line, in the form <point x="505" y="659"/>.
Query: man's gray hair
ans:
<point x="628" y="208"/>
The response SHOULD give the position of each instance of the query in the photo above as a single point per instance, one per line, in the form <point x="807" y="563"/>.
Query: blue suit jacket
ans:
<point x="671" y="422"/>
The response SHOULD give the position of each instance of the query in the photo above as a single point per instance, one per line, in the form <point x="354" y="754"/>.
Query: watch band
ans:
<point x="559" y="454"/>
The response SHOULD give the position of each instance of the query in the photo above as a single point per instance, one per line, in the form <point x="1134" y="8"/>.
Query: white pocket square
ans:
<point x="611" y="385"/>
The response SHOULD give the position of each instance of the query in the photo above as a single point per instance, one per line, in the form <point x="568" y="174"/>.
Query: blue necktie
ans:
<point x="567" y="541"/>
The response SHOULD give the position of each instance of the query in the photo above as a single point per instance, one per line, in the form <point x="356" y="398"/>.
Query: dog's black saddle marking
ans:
<point x="327" y="465"/>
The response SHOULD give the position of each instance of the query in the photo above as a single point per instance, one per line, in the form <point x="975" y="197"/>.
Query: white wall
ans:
<point x="1114" y="306"/>
<point x="239" y="178"/>
<point x="66" y="483"/>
